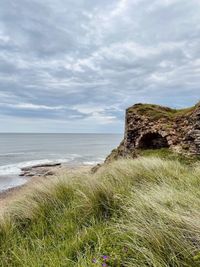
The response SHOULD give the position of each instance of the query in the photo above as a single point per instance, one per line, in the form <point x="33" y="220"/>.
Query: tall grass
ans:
<point x="142" y="212"/>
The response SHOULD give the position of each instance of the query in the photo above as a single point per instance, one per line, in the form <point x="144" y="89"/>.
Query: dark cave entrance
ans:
<point x="152" y="141"/>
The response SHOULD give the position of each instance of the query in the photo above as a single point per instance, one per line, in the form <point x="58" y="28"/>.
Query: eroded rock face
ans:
<point x="153" y="127"/>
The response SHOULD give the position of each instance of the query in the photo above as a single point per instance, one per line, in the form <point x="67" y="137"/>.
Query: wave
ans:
<point x="11" y="183"/>
<point x="15" y="169"/>
<point x="93" y="162"/>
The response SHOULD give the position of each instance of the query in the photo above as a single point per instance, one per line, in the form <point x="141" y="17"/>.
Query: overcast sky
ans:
<point x="75" y="65"/>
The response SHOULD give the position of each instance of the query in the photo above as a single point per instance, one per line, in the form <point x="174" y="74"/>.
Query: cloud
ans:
<point x="76" y="65"/>
<point x="29" y="106"/>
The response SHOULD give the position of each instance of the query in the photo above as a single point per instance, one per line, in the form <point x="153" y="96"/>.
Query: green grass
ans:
<point x="167" y="154"/>
<point x="142" y="212"/>
<point x="157" y="112"/>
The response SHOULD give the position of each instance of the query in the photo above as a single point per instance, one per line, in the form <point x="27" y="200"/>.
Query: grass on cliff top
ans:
<point x="157" y="112"/>
<point x="142" y="212"/>
<point x="167" y="154"/>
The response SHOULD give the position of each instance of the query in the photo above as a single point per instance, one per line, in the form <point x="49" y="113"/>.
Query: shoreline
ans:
<point x="9" y="195"/>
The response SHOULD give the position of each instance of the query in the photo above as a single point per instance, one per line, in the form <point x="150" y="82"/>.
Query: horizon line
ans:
<point x="59" y="133"/>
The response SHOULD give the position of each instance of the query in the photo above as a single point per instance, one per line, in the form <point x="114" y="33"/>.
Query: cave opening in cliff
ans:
<point x="153" y="141"/>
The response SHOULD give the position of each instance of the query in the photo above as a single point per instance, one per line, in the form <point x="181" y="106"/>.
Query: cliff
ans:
<point x="152" y="127"/>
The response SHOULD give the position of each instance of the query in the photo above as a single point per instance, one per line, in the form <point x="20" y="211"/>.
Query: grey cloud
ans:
<point x="103" y="55"/>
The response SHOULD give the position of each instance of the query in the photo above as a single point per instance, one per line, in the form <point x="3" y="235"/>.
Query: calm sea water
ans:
<point x="21" y="150"/>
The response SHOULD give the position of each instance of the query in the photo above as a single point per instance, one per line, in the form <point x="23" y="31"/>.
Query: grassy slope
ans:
<point x="156" y="112"/>
<point x="142" y="212"/>
<point x="166" y="154"/>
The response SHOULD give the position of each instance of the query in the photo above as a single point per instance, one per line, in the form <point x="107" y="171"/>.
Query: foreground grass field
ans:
<point x="142" y="212"/>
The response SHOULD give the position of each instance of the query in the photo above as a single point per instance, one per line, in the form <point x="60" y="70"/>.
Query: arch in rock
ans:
<point x="152" y="140"/>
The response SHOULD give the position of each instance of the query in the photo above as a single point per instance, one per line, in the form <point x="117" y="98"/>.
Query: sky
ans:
<point x="76" y="65"/>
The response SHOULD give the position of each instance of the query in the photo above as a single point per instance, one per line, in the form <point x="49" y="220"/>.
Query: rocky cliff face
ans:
<point x="153" y="127"/>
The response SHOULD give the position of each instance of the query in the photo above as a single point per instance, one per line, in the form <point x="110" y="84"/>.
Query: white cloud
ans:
<point x="4" y="38"/>
<point x="88" y="60"/>
<point x="30" y="106"/>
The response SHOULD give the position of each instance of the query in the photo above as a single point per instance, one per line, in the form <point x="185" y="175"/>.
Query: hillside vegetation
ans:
<point x="142" y="212"/>
<point x="157" y="112"/>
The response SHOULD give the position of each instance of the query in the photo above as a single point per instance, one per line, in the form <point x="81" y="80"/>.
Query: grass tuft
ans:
<point x="142" y="212"/>
<point x="157" y="112"/>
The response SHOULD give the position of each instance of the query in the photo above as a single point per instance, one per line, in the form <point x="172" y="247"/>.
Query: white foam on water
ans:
<point x="11" y="182"/>
<point x="15" y="169"/>
<point x="93" y="162"/>
<point x="90" y="162"/>
<point x="9" y="174"/>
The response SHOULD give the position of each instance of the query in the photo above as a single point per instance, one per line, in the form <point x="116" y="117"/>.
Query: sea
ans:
<point x="25" y="150"/>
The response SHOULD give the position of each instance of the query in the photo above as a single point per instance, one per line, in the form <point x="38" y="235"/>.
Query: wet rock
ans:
<point x="47" y="165"/>
<point x="40" y="170"/>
